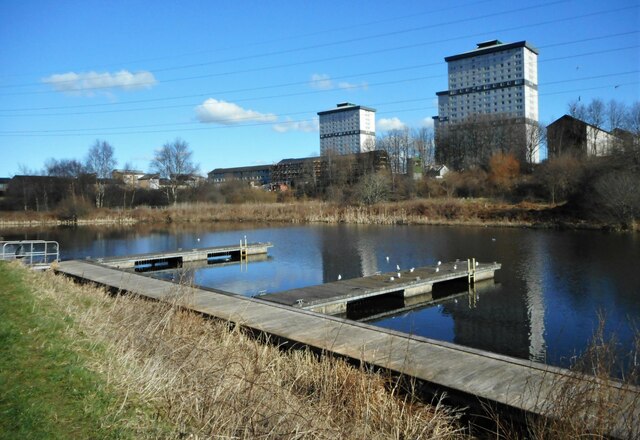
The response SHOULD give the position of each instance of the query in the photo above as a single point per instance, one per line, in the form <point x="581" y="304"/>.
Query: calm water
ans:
<point x="543" y="304"/>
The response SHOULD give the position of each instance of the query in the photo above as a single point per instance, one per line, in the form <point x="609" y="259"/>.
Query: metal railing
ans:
<point x="31" y="252"/>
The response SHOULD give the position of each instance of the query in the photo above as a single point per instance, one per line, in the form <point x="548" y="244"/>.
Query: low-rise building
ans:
<point x="574" y="136"/>
<point x="257" y="175"/>
<point x="437" y="171"/>
<point x="128" y="177"/>
<point x="149" y="181"/>
<point x="4" y="184"/>
<point x="321" y="168"/>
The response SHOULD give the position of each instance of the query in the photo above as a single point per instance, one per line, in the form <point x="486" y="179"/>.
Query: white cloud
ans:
<point x="228" y="113"/>
<point x="427" y="122"/>
<point x="351" y="86"/>
<point x="90" y="83"/>
<point x="390" y="124"/>
<point x="322" y="81"/>
<point x="304" y="126"/>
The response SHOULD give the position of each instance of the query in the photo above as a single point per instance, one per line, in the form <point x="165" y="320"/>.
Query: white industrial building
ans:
<point x="347" y="129"/>
<point x="495" y="80"/>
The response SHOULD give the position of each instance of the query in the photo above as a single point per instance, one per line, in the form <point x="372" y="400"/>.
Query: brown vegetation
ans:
<point x="190" y="377"/>
<point x="441" y="211"/>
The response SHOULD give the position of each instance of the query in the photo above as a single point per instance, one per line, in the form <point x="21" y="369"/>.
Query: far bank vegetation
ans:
<point x="488" y="183"/>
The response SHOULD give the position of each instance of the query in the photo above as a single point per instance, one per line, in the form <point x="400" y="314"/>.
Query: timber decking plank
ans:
<point x="380" y="284"/>
<point x="521" y="384"/>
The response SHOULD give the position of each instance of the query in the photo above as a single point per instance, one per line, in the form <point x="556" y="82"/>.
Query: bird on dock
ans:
<point x="339" y="277"/>
<point x="455" y="266"/>
<point x="437" y="269"/>
<point x="439" y="262"/>
<point x="391" y="278"/>
<point x="477" y="264"/>
<point x="397" y="267"/>
<point x="387" y="259"/>
<point x="412" y="269"/>
<point x="399" y="275"/>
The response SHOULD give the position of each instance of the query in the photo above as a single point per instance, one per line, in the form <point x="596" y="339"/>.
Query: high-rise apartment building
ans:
<point x="495" y="81"/>
<point x="347" y="129"/>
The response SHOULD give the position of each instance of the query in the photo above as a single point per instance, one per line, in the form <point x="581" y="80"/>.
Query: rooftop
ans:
<point x="491" y="46"/>
<point x="344" y="106"/>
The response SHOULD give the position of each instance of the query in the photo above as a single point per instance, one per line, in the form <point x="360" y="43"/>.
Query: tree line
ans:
<point x="75" y="186"/>
<point x="485" y="159"/>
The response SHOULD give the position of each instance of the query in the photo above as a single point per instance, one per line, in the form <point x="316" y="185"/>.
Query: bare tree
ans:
<point x="473" y="141"/>
<point x="632" y="120"/>
<point x="577" y="109"/>
<point x="75" y="174"/>
<point x="595" y="113"/>
<point x="373" y="188"/>
<point x="423" y="145"/>
<point x="173" y="162"/>
<point x="64" y="167"/>
<point x="536" y="135"/>
<point x="619" y="198"/>
<point x="560" y="175"/>
<point x="616" y="112"/>
<point x="101" y="161"/>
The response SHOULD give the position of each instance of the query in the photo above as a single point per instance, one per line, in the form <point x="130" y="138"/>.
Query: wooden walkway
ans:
<point x="159" y="260"/>
<point x="493" y="378"/>
<point x="333" y="298"/>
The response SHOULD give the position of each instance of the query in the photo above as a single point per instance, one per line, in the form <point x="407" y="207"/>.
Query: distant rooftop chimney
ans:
<point x="489" y="43"/>
<point x="345" y="104"/>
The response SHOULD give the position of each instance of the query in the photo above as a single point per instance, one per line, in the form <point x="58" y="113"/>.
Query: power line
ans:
<point x="307" y="92"/>
<point x="102" y="132"/>
<point x="519" y="27"/>
<point x="269" y="42"/>
<point x="340" y="42"/>
<point x="297" y="82"/>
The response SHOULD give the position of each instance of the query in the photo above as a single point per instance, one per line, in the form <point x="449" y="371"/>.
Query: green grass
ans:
<point x="46" y="389"/>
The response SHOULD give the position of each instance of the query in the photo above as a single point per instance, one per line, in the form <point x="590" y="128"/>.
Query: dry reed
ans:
<point x="201" y="379"/>
<point x="420" y="211"/>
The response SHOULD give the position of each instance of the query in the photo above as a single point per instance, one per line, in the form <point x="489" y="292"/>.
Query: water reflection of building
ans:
<point x="347" y="253"/>
<point x="498" y="324"/>
<point x="535" y="301"/>
<point x="505" y="321"/>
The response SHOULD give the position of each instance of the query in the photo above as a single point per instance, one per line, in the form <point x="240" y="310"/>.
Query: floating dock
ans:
<point x="334" y="298"/>
<point x="171" y="260"/>
<point x="482" y="377"/>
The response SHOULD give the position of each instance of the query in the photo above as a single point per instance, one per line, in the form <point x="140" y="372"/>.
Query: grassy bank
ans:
<point x="78" y="363"/>
<point x="47" y="386"/>
<point x="421" y="211"/>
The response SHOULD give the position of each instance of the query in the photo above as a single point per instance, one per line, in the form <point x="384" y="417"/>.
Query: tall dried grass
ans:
<point x="200" y="378"/>
<point x="584" y="404"/>
<point x="420" y="211"/>
<point x="425" y="211"/>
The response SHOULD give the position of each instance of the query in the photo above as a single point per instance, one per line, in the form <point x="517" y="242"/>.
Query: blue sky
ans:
<point x="242" y="81"/>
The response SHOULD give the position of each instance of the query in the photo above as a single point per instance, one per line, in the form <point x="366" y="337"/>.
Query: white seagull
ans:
<point x="387" y="259"/>
<point x="339" y="277"/>
<point x="412" y="269"/>
<point x="439" y="262"/>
